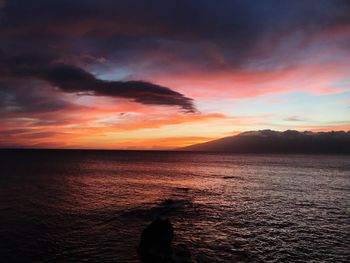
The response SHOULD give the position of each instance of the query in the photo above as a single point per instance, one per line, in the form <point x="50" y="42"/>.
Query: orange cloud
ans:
<point x="163" y="143"/>
<point x="316" y="79"/>
<point x="87" y="123"/>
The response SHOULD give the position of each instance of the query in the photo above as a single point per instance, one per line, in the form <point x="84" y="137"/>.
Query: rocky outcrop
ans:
<point x="156" y="244"/>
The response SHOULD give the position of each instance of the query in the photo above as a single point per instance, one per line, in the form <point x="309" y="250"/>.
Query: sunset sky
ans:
<point x="161" y="74"/>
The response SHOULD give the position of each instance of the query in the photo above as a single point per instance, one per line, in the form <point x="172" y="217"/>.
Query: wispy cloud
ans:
<point x="294" y="118"/>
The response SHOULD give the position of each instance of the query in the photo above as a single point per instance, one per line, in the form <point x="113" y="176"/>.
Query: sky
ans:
<point x="157" y="74"/>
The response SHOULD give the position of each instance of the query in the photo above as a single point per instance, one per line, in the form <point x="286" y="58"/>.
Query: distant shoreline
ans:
<point x="179" y="151"/>
<point x="250" y="142"/>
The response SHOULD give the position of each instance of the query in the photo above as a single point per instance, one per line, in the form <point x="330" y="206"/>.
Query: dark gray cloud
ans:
<point x="29" y="97"/>
<point x="74" y="79"/>
<point x="71" y="78"/>
<point x="124" y="30"/>
<point x="181" y="19"/>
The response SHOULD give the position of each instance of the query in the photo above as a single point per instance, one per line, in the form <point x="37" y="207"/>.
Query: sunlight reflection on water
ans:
<point x="93" y="205"/>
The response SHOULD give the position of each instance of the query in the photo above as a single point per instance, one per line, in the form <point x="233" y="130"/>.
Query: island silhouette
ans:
<point x="289" y="141"/>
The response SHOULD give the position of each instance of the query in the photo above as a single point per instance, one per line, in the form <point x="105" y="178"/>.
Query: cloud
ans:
<point x="70" y="78"/>
<point x="73" y="79"/>
<point x="150" y="37"/>
<point x="26" y="97"/>
<point x="294" y="118"/>
<point x="2" y="3"/>
<point x="125" y="32"/>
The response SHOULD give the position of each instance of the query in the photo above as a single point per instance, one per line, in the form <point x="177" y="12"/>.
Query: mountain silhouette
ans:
<point x="269" y="141"/>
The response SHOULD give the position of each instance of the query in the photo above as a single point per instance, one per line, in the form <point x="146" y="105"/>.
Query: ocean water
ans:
<point x="91" y="206"/>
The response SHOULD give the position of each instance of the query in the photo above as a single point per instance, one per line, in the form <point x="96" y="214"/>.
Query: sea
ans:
<point x="92" y="206"/>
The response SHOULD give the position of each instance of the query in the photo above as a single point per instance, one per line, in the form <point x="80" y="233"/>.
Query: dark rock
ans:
<point x="155" y="244"/>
